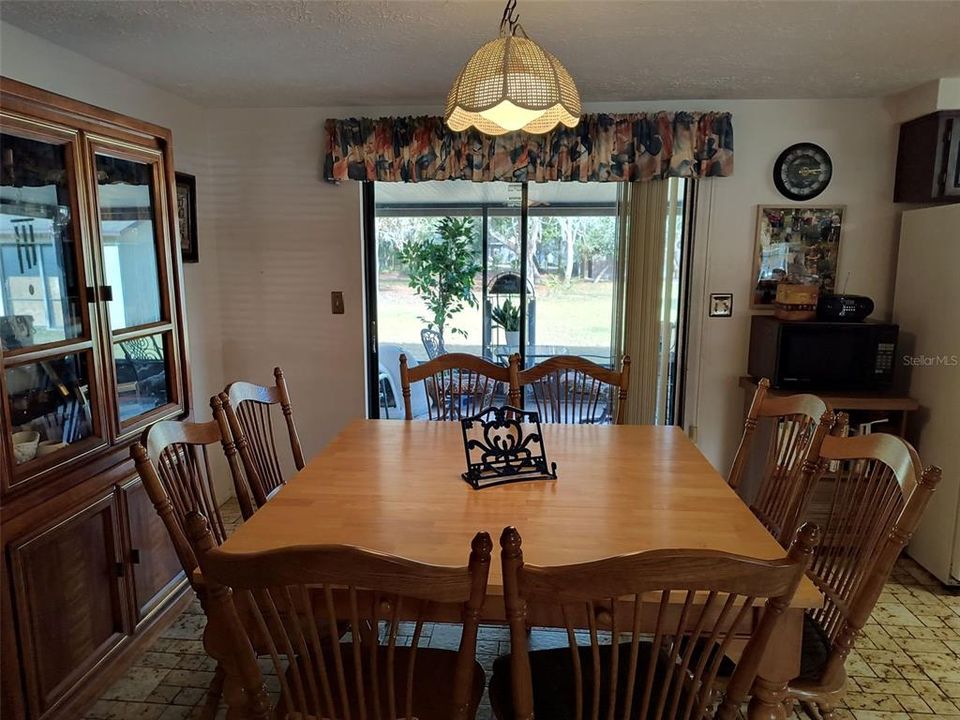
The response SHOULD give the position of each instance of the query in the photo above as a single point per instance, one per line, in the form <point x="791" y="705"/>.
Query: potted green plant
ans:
<point x="507" y="316"/>
<point x="442" y="270"/>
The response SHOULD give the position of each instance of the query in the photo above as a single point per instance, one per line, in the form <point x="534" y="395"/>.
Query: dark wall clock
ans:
<point x="802" y="171"/>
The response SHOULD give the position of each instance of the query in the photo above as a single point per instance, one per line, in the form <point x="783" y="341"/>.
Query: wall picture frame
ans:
<point x="798" y="243"/>
<point x="187" y="216"/>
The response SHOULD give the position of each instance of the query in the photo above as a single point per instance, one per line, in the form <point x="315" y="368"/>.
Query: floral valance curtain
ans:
<point x="602" y="148"/>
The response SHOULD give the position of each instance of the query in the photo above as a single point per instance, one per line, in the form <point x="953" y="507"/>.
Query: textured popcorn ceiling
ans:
<point x="258" y="53"/>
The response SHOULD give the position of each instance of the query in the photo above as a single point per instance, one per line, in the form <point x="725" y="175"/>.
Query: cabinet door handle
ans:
<point x="135" y="556"/>
<point x="105" y="293"/>
<point x="951" y="177"/>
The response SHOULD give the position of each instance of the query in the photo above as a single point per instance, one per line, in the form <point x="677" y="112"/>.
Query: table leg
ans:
<point x="780" y="665"/>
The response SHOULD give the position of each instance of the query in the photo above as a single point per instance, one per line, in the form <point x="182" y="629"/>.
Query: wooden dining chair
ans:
<point x="457" y="385"/>
<point x="879" y="493"/>
<point x="372" y="676"/>
<point x="796" y="425"/>
<point x="569" y="389"/>
<point x="659" y="624"/>
<point x="172" y="459"/>
<point x="250" y="411"/>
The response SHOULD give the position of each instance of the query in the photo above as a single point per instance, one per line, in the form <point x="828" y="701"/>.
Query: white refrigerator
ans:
<point x="927" y="308"/>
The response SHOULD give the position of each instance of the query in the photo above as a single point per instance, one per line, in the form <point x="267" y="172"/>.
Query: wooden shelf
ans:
<point x="876" y="401"/>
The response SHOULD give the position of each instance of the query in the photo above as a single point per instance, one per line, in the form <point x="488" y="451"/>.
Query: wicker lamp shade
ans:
<point x="510" y="84"/>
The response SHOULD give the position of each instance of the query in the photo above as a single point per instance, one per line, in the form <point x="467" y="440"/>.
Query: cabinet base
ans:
<point x="79" y="700"/>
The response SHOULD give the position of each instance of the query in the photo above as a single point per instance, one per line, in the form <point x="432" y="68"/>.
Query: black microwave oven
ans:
<point x="844" y="356"/>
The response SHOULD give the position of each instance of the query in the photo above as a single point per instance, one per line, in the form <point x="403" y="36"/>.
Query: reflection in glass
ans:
<point x="49" y="405"/>
<point x="502" y="316"/>
<point x="125" y="193"/>
<point x="141" y="368"/>
<point x="39" y="287"/>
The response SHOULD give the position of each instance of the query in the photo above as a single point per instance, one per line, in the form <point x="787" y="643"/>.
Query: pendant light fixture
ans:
<point x="510" y="84"/>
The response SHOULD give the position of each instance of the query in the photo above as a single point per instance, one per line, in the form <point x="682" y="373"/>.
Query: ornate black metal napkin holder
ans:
<point x="504" y="445"/>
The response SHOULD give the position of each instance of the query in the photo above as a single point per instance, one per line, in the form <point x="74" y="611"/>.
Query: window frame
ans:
<point x="371" y="210"/>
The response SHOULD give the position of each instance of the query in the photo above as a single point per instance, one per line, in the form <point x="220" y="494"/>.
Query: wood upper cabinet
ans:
<point x="69" y="589"/>
<point x="91" y="309"/>
<point x="928" y="159"/>
<point x="48" y="322"/>
<point x="155" y="571"/>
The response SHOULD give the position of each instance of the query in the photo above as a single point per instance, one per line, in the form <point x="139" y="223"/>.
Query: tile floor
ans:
<point x="906" y="665"/>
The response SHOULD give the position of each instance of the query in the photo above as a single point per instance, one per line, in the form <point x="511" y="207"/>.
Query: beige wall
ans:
<point x="948" y="95"/>
<point x="287" y="240"/>
<point x="32" y="60"/>
<point x="942" y="94"/>
<point x="862" y="140"/>
<point x="276" y="239"/>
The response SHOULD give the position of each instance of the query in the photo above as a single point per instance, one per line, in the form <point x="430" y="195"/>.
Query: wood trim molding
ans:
<point x="62" y="109"/>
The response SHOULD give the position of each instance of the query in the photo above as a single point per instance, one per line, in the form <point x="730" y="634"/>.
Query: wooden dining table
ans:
<point x="394" y="486"/>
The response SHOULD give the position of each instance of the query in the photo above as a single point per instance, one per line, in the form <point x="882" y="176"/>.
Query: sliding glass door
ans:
<point x="573" y="254"/>
<point x="491" y="269"/>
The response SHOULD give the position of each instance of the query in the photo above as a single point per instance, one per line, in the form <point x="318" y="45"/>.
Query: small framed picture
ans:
<point x="721" y="304"/>
<point x="794" y="242"/>
<point x="187" y="216"/>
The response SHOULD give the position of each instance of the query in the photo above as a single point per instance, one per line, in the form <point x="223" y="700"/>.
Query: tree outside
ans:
<point x="571" y="261"/>
<point x="441" y="270"/>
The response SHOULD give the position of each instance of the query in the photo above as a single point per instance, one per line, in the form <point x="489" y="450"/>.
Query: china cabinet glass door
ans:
<point x="49" y="348"/>
<point x="142" y="358"/>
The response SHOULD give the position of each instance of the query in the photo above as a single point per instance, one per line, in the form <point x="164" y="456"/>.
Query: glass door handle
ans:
<point x="105" y="294"/>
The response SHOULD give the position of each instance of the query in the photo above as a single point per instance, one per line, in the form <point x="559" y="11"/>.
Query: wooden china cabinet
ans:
<point x="93" y="350"/>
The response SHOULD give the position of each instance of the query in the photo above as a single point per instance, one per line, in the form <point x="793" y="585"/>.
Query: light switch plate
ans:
<point x="336" y="302"/>
<point x="721" y="304"/>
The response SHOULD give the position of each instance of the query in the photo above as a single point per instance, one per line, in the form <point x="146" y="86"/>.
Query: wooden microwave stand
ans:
<point x="862" y="406"/>
<point x="88" y="573"/>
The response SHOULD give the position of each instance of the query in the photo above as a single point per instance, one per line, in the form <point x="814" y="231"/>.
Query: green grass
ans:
<point x="576" y="316"/>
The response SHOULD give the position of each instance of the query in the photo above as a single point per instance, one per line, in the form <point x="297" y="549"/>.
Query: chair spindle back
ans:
<point x="627" y="597"/>
<point x="172" y="459"/>
<point x="879" y="493"/>
<point x="457" y="385"/>
<point x="570" y="390"/>
<point x="289" y="592"/>
<point x="797" y="425"/>
<point x="250" y="412"/>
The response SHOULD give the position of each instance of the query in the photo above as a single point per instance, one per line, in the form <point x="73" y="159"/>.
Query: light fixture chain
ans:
<point x="509" y="20"/>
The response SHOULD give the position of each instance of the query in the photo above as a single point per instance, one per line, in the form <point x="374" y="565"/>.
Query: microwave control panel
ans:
<point x="884" y="362"/>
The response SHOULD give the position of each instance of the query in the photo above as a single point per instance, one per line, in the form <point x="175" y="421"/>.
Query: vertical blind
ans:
<point x="649" y="220"/>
